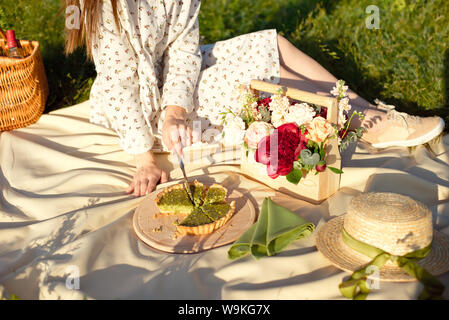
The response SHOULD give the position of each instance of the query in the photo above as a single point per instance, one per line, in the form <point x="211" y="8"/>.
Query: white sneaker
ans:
<point x="404" y="130"/>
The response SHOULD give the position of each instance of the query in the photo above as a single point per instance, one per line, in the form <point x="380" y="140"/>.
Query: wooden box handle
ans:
<point x="330" y="103"/>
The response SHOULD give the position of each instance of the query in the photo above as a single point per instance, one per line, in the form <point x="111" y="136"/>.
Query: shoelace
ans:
<point x="394" y="115"/>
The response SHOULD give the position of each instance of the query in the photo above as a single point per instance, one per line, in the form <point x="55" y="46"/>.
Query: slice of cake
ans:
<point x="174" y="200"/>
<point x="215" y="194"/>
<point x="216" y="211"/>
<point x="195" y="218"/>
<point x="199" y="222"/>
<point x="198" y="191"/>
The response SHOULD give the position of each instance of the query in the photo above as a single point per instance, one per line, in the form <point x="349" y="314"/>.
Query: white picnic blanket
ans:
<point x="64" y="213"/>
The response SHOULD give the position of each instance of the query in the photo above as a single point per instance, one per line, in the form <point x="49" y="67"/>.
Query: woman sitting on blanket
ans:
<point x="154" y="80"/>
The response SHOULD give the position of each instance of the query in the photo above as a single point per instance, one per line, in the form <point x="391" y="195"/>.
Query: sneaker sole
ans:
<point x="413" y="142"/>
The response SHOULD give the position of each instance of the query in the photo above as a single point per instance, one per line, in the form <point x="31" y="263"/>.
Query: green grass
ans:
<point x="405" y="62"/>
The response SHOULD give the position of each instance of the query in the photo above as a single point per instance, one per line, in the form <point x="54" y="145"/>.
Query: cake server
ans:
<point x="186" y="182"/>
<point x="181" y="165"/>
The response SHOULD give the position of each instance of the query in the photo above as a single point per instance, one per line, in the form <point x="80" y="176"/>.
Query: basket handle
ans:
<point x="330" y="103"/>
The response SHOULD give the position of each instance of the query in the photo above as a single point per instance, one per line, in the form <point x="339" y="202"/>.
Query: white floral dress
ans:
<point x="155" y="60"/>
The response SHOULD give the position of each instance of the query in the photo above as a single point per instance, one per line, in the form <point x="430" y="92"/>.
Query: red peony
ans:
<point x="289" y="144"/>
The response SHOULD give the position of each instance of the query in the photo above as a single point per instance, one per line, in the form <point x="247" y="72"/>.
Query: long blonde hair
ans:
<point x="88" y="24"/>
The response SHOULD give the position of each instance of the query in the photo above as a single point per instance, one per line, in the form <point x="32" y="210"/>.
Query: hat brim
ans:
<point x="330" y="243"/>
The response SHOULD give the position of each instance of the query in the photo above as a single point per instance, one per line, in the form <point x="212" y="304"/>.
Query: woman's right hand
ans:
<point x="148" y="175"/>
<point x="175" y="133"/>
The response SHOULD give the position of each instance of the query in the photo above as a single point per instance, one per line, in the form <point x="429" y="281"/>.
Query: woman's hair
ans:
<point x="90" y="15"/>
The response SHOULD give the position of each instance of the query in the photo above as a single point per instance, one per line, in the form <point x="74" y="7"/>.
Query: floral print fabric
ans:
<point x="155" y="60"/>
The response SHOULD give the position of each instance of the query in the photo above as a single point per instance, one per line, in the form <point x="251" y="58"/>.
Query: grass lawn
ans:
<point x="405" y="62"/>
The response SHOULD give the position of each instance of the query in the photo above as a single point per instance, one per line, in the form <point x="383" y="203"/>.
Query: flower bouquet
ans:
<point x="291" y="140"/>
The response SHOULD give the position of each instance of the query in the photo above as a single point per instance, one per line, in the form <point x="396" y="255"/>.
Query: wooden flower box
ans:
<point x="312" y="188"/>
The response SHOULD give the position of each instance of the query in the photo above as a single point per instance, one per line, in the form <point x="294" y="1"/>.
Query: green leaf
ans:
<point x="310" y="144"/>
<point x="294" y="176"/>
<point x="335" y="170"/>
<point x="322" y="154"/>
<point x="359" y="131"/>
<point x="265" y="113"/>
<point x="246" y="148"/>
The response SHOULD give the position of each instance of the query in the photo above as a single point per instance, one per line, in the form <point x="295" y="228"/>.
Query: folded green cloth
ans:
<point x="275" y="229"/>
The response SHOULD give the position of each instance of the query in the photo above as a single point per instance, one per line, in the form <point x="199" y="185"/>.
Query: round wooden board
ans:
<point x="159" y="231"/>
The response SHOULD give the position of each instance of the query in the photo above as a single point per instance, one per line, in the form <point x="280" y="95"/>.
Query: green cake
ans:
<point x="208" y="213"/>
<point x="216" y="211"/>
<point x="195" y="218"/>
<point x="215" y="194"/>
<point x="174" y="200"/>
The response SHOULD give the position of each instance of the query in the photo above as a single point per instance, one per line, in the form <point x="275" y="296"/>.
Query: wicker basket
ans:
<point x="23" y="86"/>
<point x="312" y="188"/>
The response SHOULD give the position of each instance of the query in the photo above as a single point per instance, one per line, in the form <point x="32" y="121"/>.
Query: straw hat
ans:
<point x="394" y="223"/>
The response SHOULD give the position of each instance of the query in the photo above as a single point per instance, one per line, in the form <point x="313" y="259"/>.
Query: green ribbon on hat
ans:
<point x="274" y="230"/>
<point x="356" y="287"/>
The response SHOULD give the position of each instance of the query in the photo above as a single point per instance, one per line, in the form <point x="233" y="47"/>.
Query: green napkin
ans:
<point x="275" y="229"/>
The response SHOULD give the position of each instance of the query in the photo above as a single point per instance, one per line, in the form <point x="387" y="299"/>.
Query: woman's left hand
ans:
<point x="175" y="133"/>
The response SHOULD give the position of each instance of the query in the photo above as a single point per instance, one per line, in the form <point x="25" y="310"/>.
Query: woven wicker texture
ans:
<point x="394" y="223"/>
<point x="23" y="86"/>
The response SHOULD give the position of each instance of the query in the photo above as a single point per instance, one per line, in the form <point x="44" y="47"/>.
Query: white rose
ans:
<point x="277" y="118"/>
<point x="233" y="130"/>
<point x="300" y="113"/>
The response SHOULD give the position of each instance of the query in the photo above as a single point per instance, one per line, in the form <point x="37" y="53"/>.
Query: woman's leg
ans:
<point x="293" y="80"/>
<point x="299" y="63"/>
<point x="290" y="78"/>
<point x="384" y="129"/>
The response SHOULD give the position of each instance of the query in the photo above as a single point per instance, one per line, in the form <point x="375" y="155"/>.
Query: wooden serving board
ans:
<point x="159" y="231"/>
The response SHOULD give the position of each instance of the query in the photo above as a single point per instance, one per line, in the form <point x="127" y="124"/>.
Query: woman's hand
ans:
<point x="175" y="133"/>
<point x="147" y="176"/>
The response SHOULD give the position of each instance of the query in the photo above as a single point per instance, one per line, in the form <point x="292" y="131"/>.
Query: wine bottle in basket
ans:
<point x="12" y="45"/>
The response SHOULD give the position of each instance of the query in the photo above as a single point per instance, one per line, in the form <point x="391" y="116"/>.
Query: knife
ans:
<point x="186" y="182"/>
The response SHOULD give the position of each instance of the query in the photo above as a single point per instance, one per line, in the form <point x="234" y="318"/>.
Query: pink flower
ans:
<point x="319" y="129"/>
<point x="256" y="131"/>
<point x="287" y="141"/>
